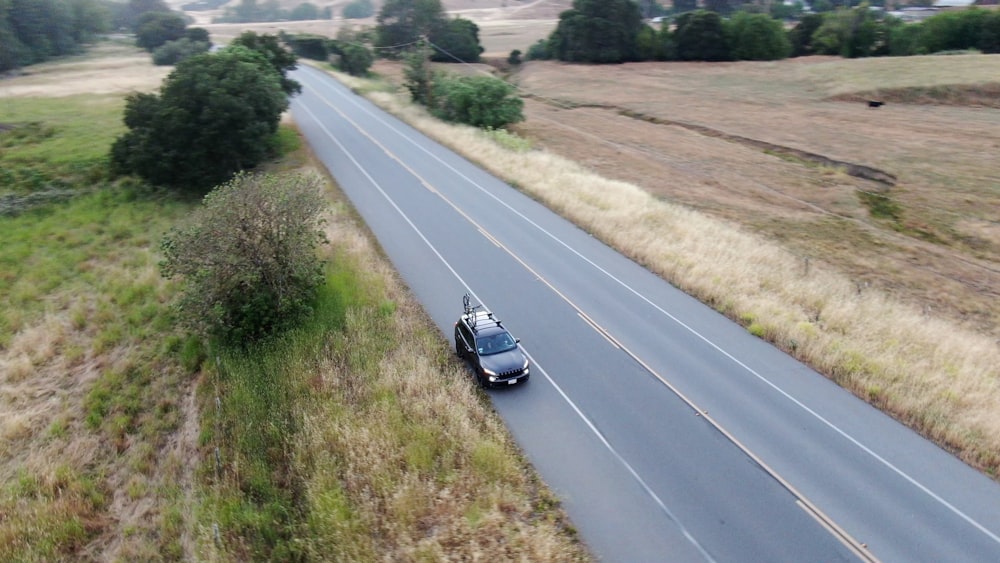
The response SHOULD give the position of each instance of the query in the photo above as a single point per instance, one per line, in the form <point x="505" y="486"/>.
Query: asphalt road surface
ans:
<point x="668" y="431"/>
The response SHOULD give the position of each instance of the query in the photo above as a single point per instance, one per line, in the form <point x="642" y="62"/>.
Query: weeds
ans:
<point x="881" y="206"/>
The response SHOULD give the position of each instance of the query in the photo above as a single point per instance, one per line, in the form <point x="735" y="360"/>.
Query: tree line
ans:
<point x="614" y="31"/>
<point x="248" y="11"/>
<point x="33" y="31"/>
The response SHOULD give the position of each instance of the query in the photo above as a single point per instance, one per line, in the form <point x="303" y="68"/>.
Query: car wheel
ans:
<point x="458" y="347"/>
<point x="481" y="381"/>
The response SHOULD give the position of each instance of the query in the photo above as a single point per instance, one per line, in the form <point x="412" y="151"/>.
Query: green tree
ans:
<point x="480" y="101"/>
<point x="989" y="38"/>
<point x="400" y="23"/>
<point x="355" y="59"/>
<point x="281" y="59"/>
<point x="597" y="31"/>
<point x="43" y="28"/>
<point x="904" y="41"/>
<point x="757" y="37"/>
<point x="952" y="31"/>
<point x="248" y="258"/>
<point x="216" y="114"/>
<point x="198" y="34"/>
<point x="156" y="28"/>
<point x="418" y="78"/>
<point x="539" y="51"/>
<point x="851" y="33"/>
<point x="358" y="9"/>
<point x="700" y="37"/>
<point x="456" y="40"/>
<point x="801" y="36"/>
<point x="90" y="18"/>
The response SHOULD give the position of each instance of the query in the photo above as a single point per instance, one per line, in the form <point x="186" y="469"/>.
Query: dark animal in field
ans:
<point x="874" y="104"/>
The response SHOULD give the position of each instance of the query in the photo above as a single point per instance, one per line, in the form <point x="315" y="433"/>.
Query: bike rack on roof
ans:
<point x="473" y="316"/>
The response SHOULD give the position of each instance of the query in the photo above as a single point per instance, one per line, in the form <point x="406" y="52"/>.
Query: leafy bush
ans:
<point x="539" y="51"/>
<point x="355" y="59"/>
<point x="514" y="58"/>
<point x="173" y="52"/>
<point x="248" y="257"/>
<point x="480" y="101"/>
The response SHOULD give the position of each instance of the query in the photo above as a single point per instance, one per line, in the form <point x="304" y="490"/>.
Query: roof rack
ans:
<point x="474" y="316"/>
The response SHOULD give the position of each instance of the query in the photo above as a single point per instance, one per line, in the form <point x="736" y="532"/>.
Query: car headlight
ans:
<point x="492" y="379"/>
<point x="488" y="371"/>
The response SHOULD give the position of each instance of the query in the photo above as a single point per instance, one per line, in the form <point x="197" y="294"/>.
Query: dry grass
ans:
<point x="934" y="372"/>
<point x="107" y="68"/>
<point x="732" y="141"/>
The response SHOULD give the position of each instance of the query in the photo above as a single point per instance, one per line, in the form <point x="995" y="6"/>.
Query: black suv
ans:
<point x="495" y="355"/>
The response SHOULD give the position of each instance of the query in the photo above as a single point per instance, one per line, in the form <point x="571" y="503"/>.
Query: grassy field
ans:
<point x="124" y="438"/>
<point x="732" y="181"/>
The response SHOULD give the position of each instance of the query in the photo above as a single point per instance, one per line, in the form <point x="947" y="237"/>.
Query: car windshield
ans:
<point x="495" y="343"/>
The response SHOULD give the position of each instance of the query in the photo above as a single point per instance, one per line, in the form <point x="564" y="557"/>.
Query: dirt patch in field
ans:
<point x="765" y="146"/>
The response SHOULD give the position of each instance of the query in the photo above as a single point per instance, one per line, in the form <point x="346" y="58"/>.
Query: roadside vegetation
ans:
<point x="933" y="373"/>
<point x="354" y="435"/>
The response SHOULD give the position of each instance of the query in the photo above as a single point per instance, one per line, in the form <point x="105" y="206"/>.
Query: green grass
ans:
<point x="91" y="260"/>
<point x="60" y="132"/>
<point x="262" y="392"/>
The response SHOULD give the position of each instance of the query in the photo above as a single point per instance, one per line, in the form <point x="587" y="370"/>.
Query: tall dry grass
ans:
<point x="936" y="376"/>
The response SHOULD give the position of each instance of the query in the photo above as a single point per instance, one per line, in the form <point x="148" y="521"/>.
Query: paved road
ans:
<point x="669" y="432"/>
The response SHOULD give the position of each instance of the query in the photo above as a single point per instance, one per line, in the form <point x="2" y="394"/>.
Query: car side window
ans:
<point x="466" y="335"/>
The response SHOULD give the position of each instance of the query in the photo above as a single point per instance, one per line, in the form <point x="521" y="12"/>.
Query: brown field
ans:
<point x="763" y="146"/>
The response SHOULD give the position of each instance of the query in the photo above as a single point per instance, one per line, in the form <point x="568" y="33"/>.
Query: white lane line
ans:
<point x="920" y="486"/>
<point x="537" y="365"/>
